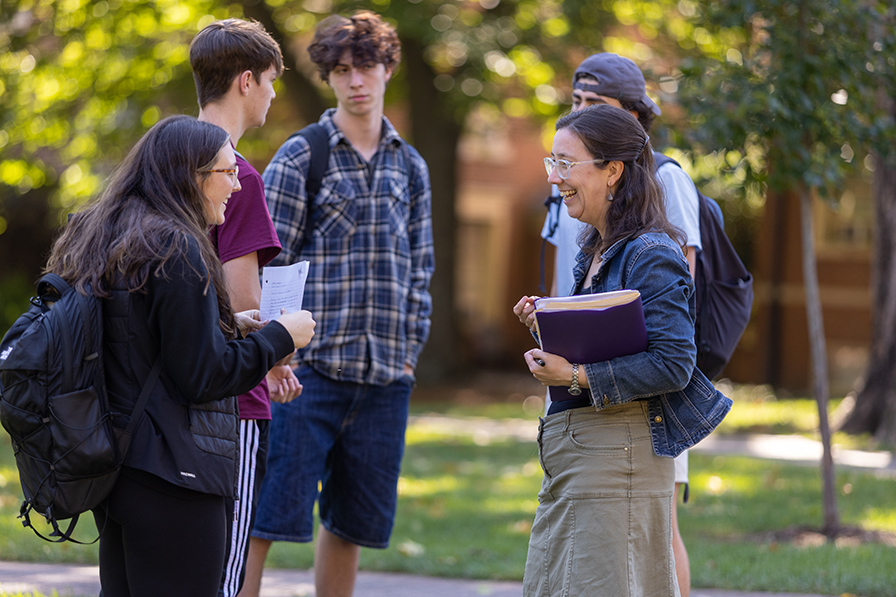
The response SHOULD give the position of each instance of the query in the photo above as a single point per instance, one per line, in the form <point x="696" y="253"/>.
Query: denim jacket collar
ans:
<point x="583" y="262"/>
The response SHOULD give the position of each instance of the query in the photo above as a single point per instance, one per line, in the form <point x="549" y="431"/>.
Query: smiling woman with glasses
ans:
<point x="143" y="247"/>
<point x="607" y="447"/>
<point x="217" y="190"/>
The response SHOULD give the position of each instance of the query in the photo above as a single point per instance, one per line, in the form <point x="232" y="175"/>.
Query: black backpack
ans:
<point x="724" y="288"/>
<point x="54" y="406"/>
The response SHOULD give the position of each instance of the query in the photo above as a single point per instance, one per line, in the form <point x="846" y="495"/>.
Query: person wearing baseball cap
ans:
<point x="607" y="78"/>
<point x="612" y="76"/>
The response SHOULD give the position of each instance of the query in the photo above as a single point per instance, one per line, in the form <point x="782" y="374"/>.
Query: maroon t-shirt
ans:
<point x="248" y="228"/>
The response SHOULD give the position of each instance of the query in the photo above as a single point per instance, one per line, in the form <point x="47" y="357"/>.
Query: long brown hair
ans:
<point x="611" y="134"/>
<point x="149" y="212"/>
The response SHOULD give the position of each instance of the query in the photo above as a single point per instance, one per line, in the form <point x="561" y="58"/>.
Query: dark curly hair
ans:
<point x="366" y="34"/>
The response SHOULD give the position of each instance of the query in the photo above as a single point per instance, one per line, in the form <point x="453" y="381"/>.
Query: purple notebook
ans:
<point x="592" y="335"/>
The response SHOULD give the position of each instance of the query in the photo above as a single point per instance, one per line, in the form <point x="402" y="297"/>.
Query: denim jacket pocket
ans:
<point x="680" y="420"/>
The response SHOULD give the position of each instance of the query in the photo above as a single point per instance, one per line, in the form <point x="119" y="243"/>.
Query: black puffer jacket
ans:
<point x="188" y="432"/>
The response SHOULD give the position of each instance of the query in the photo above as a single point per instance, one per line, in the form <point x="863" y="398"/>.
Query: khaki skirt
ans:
<point x="603" y="527"/>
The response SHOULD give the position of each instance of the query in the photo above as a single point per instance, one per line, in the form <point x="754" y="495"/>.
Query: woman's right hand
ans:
<point x="300" y="326"/>
<point x="525" y="310"/>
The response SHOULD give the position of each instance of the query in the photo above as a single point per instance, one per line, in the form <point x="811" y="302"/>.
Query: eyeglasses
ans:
<point x="564" y="166"/>
<point x="234" y="173"/>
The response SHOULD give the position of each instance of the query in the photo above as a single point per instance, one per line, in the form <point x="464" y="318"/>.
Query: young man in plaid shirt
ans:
<point x="369" y="243"/>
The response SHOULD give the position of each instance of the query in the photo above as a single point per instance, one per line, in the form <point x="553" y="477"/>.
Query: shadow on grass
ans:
<point x="749" y="526"/>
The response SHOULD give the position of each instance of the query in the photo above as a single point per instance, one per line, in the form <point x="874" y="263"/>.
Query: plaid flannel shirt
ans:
<point x="370" y="252"/>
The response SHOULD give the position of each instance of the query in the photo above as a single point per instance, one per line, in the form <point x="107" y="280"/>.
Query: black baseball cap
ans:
<point x="616" y="77"/>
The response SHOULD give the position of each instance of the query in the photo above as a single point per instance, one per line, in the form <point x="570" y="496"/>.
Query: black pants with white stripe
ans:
<point x="253" y="459"/>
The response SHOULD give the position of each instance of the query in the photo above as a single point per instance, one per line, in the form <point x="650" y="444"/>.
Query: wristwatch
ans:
<point x="574" y="388"/>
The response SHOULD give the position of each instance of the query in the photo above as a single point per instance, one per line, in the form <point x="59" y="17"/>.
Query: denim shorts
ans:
<point x="347" y="437"/>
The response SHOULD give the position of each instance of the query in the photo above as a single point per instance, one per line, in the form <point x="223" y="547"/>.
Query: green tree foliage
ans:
<point x="81" y="81"/>
<point x="797" y="80"/>
<point x="797" y="86"/>
<point x="498" y="54"/>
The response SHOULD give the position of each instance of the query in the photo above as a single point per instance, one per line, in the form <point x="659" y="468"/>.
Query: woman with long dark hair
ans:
<point x="143" y="247"/>
<point x="603" y="524"/>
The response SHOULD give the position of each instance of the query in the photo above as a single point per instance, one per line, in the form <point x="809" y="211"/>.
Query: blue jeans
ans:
<point x="349" y="438"/>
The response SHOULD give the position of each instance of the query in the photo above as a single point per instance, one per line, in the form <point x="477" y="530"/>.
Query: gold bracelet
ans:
<point x="574" y="389"/>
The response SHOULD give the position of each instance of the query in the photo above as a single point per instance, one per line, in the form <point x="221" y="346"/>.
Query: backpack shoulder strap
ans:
<point x="409" y="165"/>
<point x="52" y="286"/>
<point x="317" y="138"/>
<point x="552" y="205"/>
<point x="662" y="159"/>
<point x="319" y="142"/>
<point x="124" y="442"/>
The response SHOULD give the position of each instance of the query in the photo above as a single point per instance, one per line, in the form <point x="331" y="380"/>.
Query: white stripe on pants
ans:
<point x="242" y="518"/>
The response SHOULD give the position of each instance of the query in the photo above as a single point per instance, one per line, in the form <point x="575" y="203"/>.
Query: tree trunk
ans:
<point x="874" y="410"/>
<point x="436" y="134"/>
<point x="775" y="211"/>
<point x="818" y="349"/>
<point x="875" y="404"/>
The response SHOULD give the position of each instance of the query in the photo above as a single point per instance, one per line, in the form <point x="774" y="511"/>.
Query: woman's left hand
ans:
<point x="249" y="321"/>
<point x="551" y="369"/>
<point x="525" y="311"/>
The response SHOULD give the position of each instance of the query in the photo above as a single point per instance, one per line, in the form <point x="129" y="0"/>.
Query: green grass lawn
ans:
<point x="467" y="500"/>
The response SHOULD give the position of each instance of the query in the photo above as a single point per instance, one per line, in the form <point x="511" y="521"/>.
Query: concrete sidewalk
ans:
<point x="82" y="581"/>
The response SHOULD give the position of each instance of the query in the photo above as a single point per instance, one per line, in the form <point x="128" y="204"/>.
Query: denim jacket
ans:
<point x="683" y="405"/>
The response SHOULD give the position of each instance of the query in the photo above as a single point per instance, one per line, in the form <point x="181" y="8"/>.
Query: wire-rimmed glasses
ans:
<point x="564" y="166"/>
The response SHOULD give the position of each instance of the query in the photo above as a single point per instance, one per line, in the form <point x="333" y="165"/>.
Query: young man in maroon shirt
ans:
<point x="235" y="64"/>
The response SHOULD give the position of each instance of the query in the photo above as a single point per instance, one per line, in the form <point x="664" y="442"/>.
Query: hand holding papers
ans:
<point x="282" y="288"/>
<point x="591" y="328"/>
